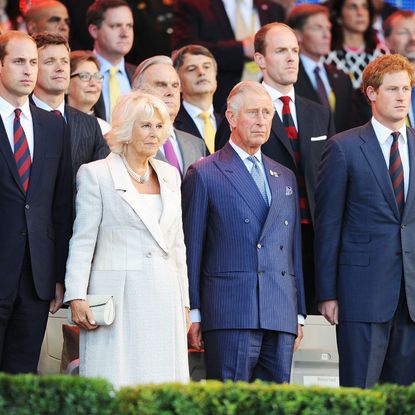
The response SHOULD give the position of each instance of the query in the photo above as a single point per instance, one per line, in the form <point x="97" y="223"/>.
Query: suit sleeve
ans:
<point x="195" y="212"/>
<point x="62" y="209"/>
<point x="331" y="195"/>
<point x="101" y="149"/>
<point x="82" y="244"/>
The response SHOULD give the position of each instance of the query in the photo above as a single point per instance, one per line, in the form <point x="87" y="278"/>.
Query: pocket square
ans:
<point x="319" y="138"/>
<point x="288" y="190"/>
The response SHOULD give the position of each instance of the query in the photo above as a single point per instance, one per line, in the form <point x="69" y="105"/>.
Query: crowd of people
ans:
<point x="222" y="168"/>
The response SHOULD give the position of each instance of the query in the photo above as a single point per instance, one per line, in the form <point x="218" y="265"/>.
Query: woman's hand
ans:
<point x="82" y="315"/>
<point x="188" y="321"/>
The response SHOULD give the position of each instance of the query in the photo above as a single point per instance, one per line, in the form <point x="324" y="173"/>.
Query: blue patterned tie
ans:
<point x="259" y="178"/>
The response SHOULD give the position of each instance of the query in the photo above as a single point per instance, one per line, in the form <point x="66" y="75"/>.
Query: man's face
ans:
<point x="315" y="37"/>
<point x="114" y="38"/>
<point x="279" y="63"/>
<point x="197" y="75"/>
<point x="390" y="103"/>
<point x="163" y="82"/>
<point x="18" y="70"/>
<point x="54" y="70"/>
<point x="52" y="19"/>
<point x="251" y="123"/>
<point x="402" y="37"/>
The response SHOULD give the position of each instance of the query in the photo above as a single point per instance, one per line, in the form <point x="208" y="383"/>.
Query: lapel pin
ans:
<point x="274" y="173"/>
<point x="288" y="190"/>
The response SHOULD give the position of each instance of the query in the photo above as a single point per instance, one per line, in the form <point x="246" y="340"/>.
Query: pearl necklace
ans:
<point x="140" y="179"/>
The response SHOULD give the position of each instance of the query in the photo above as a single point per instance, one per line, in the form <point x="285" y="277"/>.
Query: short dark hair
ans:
<point x="298" y="15"/>
<point x="259" y="42"/>
<point x="45" y="39"/>
<point x="6" y="37"/>
<point x="79" y="56"/>
<point x="387" y="24"/>
<point x="178" y="55"/>
<point x="96" y="11"/>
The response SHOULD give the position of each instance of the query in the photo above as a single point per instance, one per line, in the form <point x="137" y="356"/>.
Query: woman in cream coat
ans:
<point x="128" y="242"/>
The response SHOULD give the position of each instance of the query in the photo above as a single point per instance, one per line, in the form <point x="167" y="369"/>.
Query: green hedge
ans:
<point x="66" y="395"/>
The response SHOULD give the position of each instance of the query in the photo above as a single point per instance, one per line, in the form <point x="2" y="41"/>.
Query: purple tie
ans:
<point x="396" y="172"/>
<point x="171" y="155"/>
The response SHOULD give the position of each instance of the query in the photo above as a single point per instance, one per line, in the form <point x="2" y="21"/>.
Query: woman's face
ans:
<point x="84" y="93"/>
<point x="355" y="16"/>
<point x="146" y="135"/>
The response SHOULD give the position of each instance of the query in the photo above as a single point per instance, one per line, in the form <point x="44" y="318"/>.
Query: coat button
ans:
<point x="282" y="273"/>
<point x="149" y="254"/>
<point x="286" y="222"/>
<point x="402" y="226"/>
<point x="165" y="255"/>
<point x="260" y="273"/>
<point x="259" y="246"/>
<point x="246" y="220"/>
<point x="281" y="247"/>
<point x="27" y="206"/>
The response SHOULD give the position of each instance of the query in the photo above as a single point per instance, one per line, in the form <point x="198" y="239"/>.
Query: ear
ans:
<point x="231" y="117"/>
<point x="260" y="60"/>
<point x="371" y="93"/>
<point x="93" y="31"/>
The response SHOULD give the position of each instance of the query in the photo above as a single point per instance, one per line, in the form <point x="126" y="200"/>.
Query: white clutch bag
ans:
<point x="102" y="307"/>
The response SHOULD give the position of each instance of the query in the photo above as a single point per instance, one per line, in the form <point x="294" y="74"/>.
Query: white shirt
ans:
<point x="383" y="134"/>
<point x="42" y="104"/>
<point x="248" y="12"/>
<point x="194" y="113"/>
<point x="275" y="96"/>
<point x="26" y="121"/>
<point x="176" y="149"/>
<point x="310" y="66"/>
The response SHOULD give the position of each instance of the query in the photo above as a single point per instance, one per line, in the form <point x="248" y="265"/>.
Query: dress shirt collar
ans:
<point x="243" y="154"/>
<point x="383" y="133"/>
<point x="105" y="66"/>
<point x="275" y="94"/>
<point x="195" y="111"/>
<point x="44" y="106"/>
<point x="310" y="64"/>
<point x="7" y="109"/>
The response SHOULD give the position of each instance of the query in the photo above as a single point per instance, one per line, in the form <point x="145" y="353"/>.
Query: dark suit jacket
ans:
<point x="314" y="121"/>
<point x="206" y="23"/>
<point x="362" y="245"/>
<point x="243" y="257"/>
<point x="99" y="107"/>
<point x="41" y="218"/>
<point x="184" y="122"/>
<point x="342" y="88"/>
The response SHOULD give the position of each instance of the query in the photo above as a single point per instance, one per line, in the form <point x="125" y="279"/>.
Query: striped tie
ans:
<point x="21" y="150"/>
<point x="292" y="134"/>
<point x="396" y="172"/>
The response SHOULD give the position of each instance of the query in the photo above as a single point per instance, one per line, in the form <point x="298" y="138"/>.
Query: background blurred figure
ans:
<point x="128" y="242"/>
<point x="399" y="30"/>
<point x="110" y="23"/>
<point x="197" y="69"/>
<point x="354" y="43"/>
<point x="227" y="29"/>
<point x="87" y="143"/>
<point x="10" y="16"/>
<point x="324" y="84"/>
<point x="157" y="76"/>
<point x="85" y="84"/>
<point x="47" y="16"/>
<point x="382" y="11"/>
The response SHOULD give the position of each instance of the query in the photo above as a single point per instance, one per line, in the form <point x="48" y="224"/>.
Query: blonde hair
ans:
<point x="131" y="107"/>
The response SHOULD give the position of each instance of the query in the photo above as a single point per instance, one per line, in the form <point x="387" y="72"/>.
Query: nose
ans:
<point x="200" y="70"/>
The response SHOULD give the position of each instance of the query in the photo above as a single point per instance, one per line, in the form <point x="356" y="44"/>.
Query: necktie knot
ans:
<point x="317" y="70"/>
<point x="395" y="136"/>
<point x="113" y="71"/>
<point x="56" y="112"/>
<point x="285" y="100"/>
<point x="253" y="160"/>
<point x="17" y="112"/>
<point x="204" y="115"/>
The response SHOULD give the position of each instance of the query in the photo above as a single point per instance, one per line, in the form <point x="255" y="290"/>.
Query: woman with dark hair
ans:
<point x="354" y="42"/>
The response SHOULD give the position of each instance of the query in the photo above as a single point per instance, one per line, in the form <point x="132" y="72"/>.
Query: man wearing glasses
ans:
<point x="87" y="143"/>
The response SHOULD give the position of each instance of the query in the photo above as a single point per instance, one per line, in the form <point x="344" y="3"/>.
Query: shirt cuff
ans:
<point x="195" y="316"/>
<point x="300" y="319"/>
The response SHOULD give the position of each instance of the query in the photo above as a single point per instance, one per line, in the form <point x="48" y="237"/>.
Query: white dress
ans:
<point x="135" y="243"/>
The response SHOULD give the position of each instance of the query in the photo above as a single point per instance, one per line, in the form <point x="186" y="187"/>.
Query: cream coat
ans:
<point x="119" y="247"/>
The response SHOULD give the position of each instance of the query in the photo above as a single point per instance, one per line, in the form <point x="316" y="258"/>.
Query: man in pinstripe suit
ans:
<point x="242" y="234"/>
<point x="87" y="143"/>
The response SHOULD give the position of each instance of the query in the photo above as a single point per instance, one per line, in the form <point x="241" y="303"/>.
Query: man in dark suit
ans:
<point x="197" y="70"/>
<point x="214" y="24"/>
<point x="35" y="208"/>
<point x="316" y="81"/>
<point x="110" y="24"/>
<point x="365" y="234"/>
<point x="157" y="76"/>
<point x="313" y="125"/>
<point x="87" y="143"/>
<point x="242" y="233"/>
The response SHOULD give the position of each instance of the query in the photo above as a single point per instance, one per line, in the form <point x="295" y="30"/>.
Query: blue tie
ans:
<point x="259" y="178"/>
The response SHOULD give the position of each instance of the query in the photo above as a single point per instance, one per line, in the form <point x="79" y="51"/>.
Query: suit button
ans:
<point x="149" y="254"/>
<point x="286" y="222"/>
<point x="260" y="273"/>
<point x="27" y="206"/>
<point x="402" y="226"/>
<point x="247" y="220"/>
<point x="259" y="246"/>
<point x="23" y="233"/>
<point x="282" y="273"/>
<point x="281" y="247"/>
<point x="165" y="255"/>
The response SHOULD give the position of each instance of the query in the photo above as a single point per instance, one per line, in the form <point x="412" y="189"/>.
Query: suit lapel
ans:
<point x="74" y="127"/>
<point x="218" y="9"/>
<point x="122" y="181"/>
<point x="234" y="169"/>
<point x="373" y="153"/>
<point x="302" y="123"/>
<point x="410" y="198"/>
